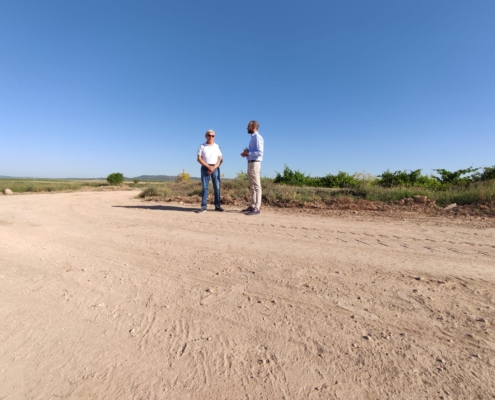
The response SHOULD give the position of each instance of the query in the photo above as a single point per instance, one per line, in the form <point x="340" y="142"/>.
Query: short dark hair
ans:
<point x="255" y="124"/>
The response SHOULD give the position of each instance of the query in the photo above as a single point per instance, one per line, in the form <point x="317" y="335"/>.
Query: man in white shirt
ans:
<point x="210" y="158"/>
<point x="254" y="155"/>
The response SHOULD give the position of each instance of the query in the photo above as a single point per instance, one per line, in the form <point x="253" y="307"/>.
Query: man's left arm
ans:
<point x="219" y="160"/>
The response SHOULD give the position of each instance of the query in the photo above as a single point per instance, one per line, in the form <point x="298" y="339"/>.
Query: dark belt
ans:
<point x="254" y="161"/>
<point x="211" y="165"/>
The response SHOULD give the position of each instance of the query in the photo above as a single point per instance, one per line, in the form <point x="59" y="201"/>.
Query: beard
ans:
<point x="250" y="131"/>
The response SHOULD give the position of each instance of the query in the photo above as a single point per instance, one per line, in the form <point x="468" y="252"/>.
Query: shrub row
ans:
<point x="388" y="179"/>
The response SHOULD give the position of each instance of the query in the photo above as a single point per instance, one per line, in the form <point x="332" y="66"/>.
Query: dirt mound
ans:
<point x="367" y="207"/>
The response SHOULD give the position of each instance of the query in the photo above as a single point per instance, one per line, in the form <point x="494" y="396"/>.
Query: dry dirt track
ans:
<point x="103" y="296"/>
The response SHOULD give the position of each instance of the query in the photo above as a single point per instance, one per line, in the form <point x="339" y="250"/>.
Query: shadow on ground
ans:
<point x="162" y="208"/>
<point x="170" y="208"/>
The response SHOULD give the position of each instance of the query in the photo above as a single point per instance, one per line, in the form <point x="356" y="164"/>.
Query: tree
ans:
<point x="115" y="178"/>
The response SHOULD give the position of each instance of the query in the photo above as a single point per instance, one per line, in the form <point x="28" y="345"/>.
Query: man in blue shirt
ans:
<point x="254" y="155"/>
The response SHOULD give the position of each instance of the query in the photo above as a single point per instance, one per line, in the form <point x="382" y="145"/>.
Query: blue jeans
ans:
<point x="205" y="181"/>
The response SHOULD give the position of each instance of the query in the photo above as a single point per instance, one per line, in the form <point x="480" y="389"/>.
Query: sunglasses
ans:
<point x="210" y="135"/>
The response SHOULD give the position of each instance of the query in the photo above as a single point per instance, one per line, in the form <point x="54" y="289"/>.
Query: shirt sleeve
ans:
<point x="200" y="150"/>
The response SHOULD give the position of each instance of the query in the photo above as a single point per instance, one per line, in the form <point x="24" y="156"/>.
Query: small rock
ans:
<point x="481" y="320"/>
<point x="101" y="305"/>
<point x="450" y="206"/>
<point x="7" y="191"/>
<point x="441" y="360"/>
<point x="418" y="278"/>
<point x="367" y="337"/>
<point x="475" y="355"/>
<point x="419" y="199"/>
<point x="132" y="331"/>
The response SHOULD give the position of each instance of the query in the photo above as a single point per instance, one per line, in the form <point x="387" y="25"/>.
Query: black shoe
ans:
<point x="254" y="212"/>
<point x="219" y="208"/>
<point x="249" y="209"/>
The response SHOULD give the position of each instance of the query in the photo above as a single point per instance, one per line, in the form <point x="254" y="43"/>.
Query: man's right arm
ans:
<point x="200" y="160"/>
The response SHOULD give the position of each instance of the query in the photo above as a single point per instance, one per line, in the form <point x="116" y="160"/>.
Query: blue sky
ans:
<point x="98" y="86"/>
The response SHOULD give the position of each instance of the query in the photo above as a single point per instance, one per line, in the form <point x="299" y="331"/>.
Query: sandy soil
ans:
<point x="104" y="296"/>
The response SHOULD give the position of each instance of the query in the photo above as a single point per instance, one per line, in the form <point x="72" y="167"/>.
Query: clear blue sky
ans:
<point x="98" y="86"/>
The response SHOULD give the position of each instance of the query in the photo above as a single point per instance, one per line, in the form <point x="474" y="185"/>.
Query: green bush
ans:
<point x="407" y="179"/>
<point x="241" y="176"/>
<point x="294" y="178"/>
<point x="154" y="192"/>
<point x="341" y="180"/>
<point x="455" y="178"/>
<point x="297" y="178"/>
<point x="487" y="174"/>
<point x="398" y="179"/>
<point x="115" y="178"/>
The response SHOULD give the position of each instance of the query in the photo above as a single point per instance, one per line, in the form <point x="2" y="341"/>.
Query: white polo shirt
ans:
<point x="209" y="154"/>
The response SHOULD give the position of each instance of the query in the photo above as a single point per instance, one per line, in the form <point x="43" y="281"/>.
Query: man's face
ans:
<point x="250" y="128"/>
<point x="210" y="138"/>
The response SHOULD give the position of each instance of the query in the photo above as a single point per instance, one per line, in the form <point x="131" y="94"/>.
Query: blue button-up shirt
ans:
<point x="255" y="148"/>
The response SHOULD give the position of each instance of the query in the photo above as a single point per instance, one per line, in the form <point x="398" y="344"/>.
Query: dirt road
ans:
<point x="103" y="296"/>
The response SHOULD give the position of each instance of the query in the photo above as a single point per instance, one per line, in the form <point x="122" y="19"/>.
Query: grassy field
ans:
<point x="273" y="193"/>
<point x="276" y="194"/>
<point x="47" y="185"/>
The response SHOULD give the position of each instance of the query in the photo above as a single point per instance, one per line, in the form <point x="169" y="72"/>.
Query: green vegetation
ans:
<point x="294" y="188"/>
<point x="115" y="178"/>
<point x="155" y="191"/>
<point x="487" y="174"/>
<point x="404" y="179"/>
<point x="283" y="195"/>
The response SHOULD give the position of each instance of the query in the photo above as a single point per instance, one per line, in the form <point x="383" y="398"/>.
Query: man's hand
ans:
<point x="245" y="153"/>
